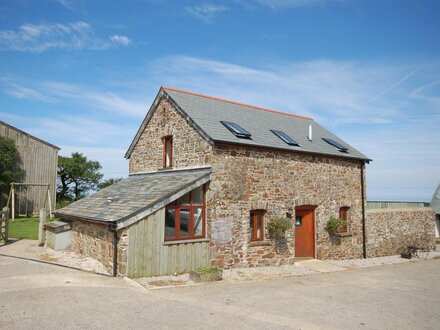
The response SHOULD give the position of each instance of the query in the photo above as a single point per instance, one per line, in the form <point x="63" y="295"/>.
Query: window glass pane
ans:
<point x="184" y="222"/>
<point x="260" y="225"/>
<point x="170" y="223"/>
<point x="168" y="148"/>
<point x="197" y="196"/>
<point x="184" y="200"/>
<point x="198" y="221"/>
<point x="251" y="227"/>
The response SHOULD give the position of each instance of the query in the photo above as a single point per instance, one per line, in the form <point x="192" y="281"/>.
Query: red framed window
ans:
<point x="185" y="218"/>
<point x="343" y="215"/>
<point x="256" y="225"/>
<point x="167" y="154"/>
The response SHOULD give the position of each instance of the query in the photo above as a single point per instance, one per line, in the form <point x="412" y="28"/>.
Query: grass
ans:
<point x="207" y="270"/>
<point x="26" y="228"/>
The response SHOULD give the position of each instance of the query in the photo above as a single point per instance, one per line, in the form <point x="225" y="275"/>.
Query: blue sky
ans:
<point x="82" y="74"/>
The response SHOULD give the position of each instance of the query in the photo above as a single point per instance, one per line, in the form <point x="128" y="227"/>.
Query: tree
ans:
<point x="108" y="182"/>
<point x="77" y="176"/>
<point x="9" y="164"/>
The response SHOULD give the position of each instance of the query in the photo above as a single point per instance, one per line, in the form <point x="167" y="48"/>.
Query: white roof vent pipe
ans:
<point x="310" y="132"/>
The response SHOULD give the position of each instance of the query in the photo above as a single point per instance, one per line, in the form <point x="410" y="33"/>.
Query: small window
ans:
<point x="286" y="138"/>
<point x="256" y="225"/>
<point x="185" y="218"/>
<point x="237" y="130"/>
<point x="343" y="215"/>
<point x="167" y="155"/>
<point x="339" y="146"/>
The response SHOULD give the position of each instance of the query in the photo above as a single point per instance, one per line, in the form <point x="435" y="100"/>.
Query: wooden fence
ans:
<point x="4" y="219"/>
<point x="149" y="256"/>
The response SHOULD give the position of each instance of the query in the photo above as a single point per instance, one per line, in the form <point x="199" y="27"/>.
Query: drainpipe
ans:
<point x="364" y="246"/>
<point x="115" y="250"/>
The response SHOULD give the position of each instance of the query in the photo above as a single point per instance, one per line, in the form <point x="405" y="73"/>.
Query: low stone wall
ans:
<point x="95" y="240"/>
<point x="390" y="231"/>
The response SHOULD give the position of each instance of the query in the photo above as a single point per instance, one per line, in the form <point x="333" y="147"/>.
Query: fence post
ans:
<point x="13" y="202"/>
<point x="41" y="227"/>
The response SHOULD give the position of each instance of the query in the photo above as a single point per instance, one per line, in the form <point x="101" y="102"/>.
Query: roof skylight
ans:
<point x="286" y="138"/>
<point x="339" y="146"/>
<point x="236" y="129"/>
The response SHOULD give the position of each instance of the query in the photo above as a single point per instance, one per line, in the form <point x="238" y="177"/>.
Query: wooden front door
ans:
<point x="305" y="233"/>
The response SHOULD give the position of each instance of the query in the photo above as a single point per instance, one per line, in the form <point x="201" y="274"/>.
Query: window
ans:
<point x="286" y="138"/>
<point x="339" y="146"/>
<point x="237" y="130"/>
<point x="257" y="225"/>
<point x="185" y="217"/>
<point x="343" y="215"/>
<point x="167" y="155"/>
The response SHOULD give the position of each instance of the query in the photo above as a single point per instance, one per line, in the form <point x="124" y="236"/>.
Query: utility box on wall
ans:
<point x="58" y="235"/>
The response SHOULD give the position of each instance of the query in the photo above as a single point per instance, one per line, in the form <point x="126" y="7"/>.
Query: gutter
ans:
<point x="364" y="246"/>
<point x="112" y="228"/>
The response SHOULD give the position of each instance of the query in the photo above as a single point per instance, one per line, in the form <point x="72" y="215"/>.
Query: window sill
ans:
<point x="186" y="241"/>
<point x="344" y="235"/>
<point x="259" y="243"/>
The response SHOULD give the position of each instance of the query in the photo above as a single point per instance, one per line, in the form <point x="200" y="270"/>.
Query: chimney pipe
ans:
<point x="310" y="132"/>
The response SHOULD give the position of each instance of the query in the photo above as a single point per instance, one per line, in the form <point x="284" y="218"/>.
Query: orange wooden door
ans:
<point x="305" y="233"/>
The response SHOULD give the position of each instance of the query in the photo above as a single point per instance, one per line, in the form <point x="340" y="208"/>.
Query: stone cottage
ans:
<point x="206" y="177"/>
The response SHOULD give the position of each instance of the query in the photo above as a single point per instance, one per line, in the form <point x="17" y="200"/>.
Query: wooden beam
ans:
<point x="13" y="202"/>
<point x="41" y="227"/>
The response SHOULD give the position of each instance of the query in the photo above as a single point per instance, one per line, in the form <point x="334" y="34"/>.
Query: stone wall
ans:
<point x="390" y="231"/>
<point x="189" y="148"/>
<point x="247" y="178"/>
<point x="95" y="240"/>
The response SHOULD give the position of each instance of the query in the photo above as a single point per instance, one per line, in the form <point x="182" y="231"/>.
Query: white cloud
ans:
<point x="280" y="4"/>
<point x="121" y="40"/>
<point x="22" y="92"/>
<point x="67" y="3"/>
<point x="206" y="11"/>
<point x="61" y="92"/>
<point x="71" y="36"/>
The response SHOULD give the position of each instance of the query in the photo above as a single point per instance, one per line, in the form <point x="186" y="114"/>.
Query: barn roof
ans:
<point x="206" y="113"/>
<point x="29" y="135"/>
<point x="135" y="197"/>
<point x="435" y="202"/>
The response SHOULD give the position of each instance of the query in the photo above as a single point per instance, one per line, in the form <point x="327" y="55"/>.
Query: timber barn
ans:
<point x="38" y="160"/>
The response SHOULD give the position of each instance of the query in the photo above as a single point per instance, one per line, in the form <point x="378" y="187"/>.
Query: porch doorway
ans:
<point x="305" y="232"/>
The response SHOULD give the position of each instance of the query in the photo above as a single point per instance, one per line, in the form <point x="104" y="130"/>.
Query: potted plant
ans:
<point x="206" y="274"/>
<point x="278" y="226"/>
<point x="277" y="229"/>
<point x="333" y="226"/>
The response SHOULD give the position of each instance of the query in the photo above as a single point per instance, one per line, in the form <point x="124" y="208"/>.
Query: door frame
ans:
<point x="310" y="208"/>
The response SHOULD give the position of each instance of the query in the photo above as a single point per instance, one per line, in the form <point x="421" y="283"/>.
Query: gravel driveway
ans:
<point x="400" y="296"/>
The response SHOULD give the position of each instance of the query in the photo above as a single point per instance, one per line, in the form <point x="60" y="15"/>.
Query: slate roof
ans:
<point x="135" y="197"/>
<point x="206" y="112"/>
<point x="435" y="202"/>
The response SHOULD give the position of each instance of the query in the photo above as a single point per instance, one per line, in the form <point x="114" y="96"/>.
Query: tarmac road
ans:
<point x="41" y="296"/>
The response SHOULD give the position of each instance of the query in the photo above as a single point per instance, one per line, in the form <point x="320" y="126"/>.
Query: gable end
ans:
<point x="163" y="94"/>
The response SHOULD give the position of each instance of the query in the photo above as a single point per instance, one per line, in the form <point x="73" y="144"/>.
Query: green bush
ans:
<point x="278" y="226"/>
<point x="334" y="224"/>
